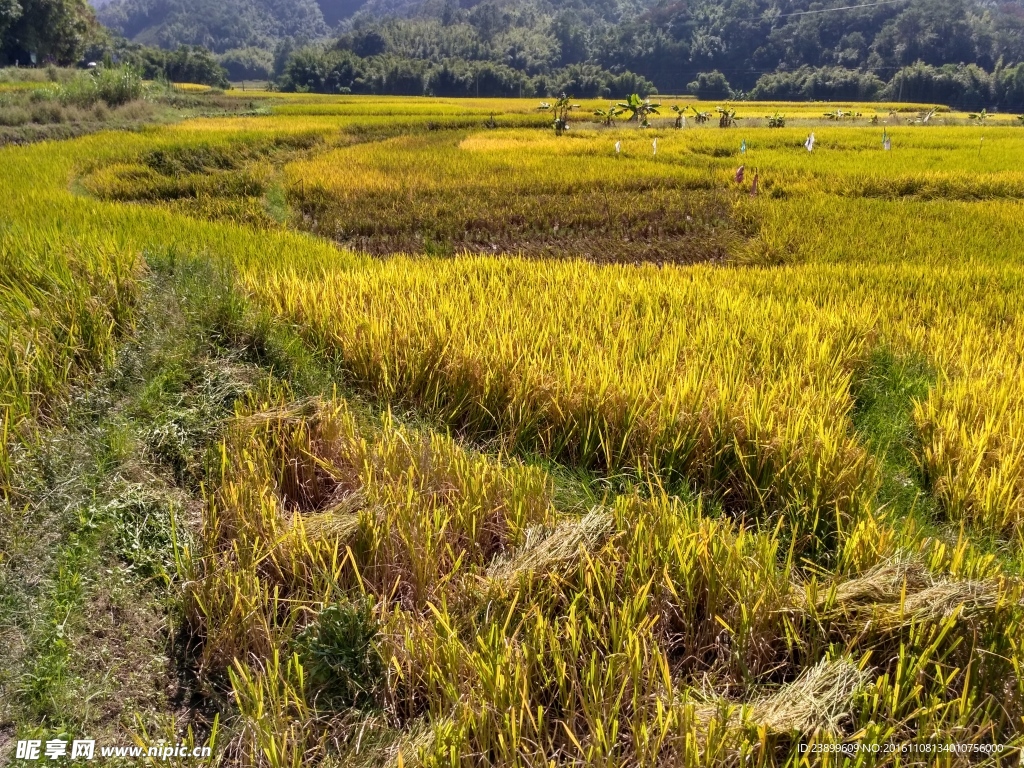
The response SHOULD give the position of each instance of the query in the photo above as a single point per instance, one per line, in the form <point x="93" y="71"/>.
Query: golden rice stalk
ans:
<point x="416" y="741"/>
<point x="330" y="525"/>
<point x="882" y="584"/>
<point x="294" y="410"/>
<point x="946" y="597"/>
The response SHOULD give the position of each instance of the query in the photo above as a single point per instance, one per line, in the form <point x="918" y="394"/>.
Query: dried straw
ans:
<point x="816" y="702"/>
<point x="546" y="548"/>
<point x="900" y="592"/>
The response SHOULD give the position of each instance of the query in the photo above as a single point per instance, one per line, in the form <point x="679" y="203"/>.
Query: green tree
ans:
<point x="248" y="63"/>
<point x="193" y="64"/>
<point x="710" y="86"/>
<point x="10" y="12"/>
<point x="1009" y="86"/>
<point x="51" y="30"/>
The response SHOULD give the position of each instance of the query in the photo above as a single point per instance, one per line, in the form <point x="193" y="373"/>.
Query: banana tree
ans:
<point x="726" y="116"/>
<point x="639" y="109"/>
<point x="700" y="117"/>
<point x="840" y="114"/>
<point x="563" y="106"/>
<point x="981" y="117"/>
<point x="776" y="120"/>
<point x="608" y="115"/>
<point x="680" y="114"/>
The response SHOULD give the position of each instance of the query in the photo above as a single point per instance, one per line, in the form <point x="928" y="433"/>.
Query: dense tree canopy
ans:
<point x="220" y="26"/>
<point x="961" y="52"/>
<point x="671" y="43"/>
<point x="38" y="31"/>
<point x="964" y="52"/>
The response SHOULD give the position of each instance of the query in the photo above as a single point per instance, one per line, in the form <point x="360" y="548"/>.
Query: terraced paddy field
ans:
<point x="406" y="432"/>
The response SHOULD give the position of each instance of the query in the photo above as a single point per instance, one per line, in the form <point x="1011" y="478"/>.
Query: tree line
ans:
<point x="962" y="86"/>
<point x="342" y="71"/>
<point x="965" y="53"/>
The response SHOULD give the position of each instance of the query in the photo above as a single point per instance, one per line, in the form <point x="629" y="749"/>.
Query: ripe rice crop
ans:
<point x="435" y="191"/>
<point x="766" y="490"/>
<point x="616" y="369"/>
<point x="584" y="627"/>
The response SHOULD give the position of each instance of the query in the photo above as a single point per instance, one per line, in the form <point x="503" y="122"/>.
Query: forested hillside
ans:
<point x="762" y="48"/>
<point x="219" y="26"/>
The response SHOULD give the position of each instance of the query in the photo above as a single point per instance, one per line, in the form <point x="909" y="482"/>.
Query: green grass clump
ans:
<point x="112" y="85"/>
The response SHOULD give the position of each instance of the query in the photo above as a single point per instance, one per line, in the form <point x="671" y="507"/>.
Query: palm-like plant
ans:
<point x="981" y="117"/>
<point x="639" y="109"/>
<point x="776" y="120"/>
<point x="700" y="117"/>
<point x="679" y="114"/>
<point x="726" y="116"/>
<point x="563" y="106"/>
<point x="608" y="115"/>
<point x="839" y="114"/>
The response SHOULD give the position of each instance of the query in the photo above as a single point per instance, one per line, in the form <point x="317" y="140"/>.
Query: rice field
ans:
<point x="621" y="461"/>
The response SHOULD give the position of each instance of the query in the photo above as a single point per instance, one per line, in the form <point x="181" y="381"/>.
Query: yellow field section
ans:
<point x="736" y="378"/>
<point x="735" y="375"/>
<point x="500" y="506"/>
<point x="71" y="267"/>
<point x="757" y="111"/>
<point x="739" y="381"/>
<point x="946" y="162"/>
<point x="521" y="161"/>
<point x="510" y="631"/>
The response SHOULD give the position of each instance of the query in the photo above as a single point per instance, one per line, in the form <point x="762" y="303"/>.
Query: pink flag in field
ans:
<point x="739" y="175"/>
